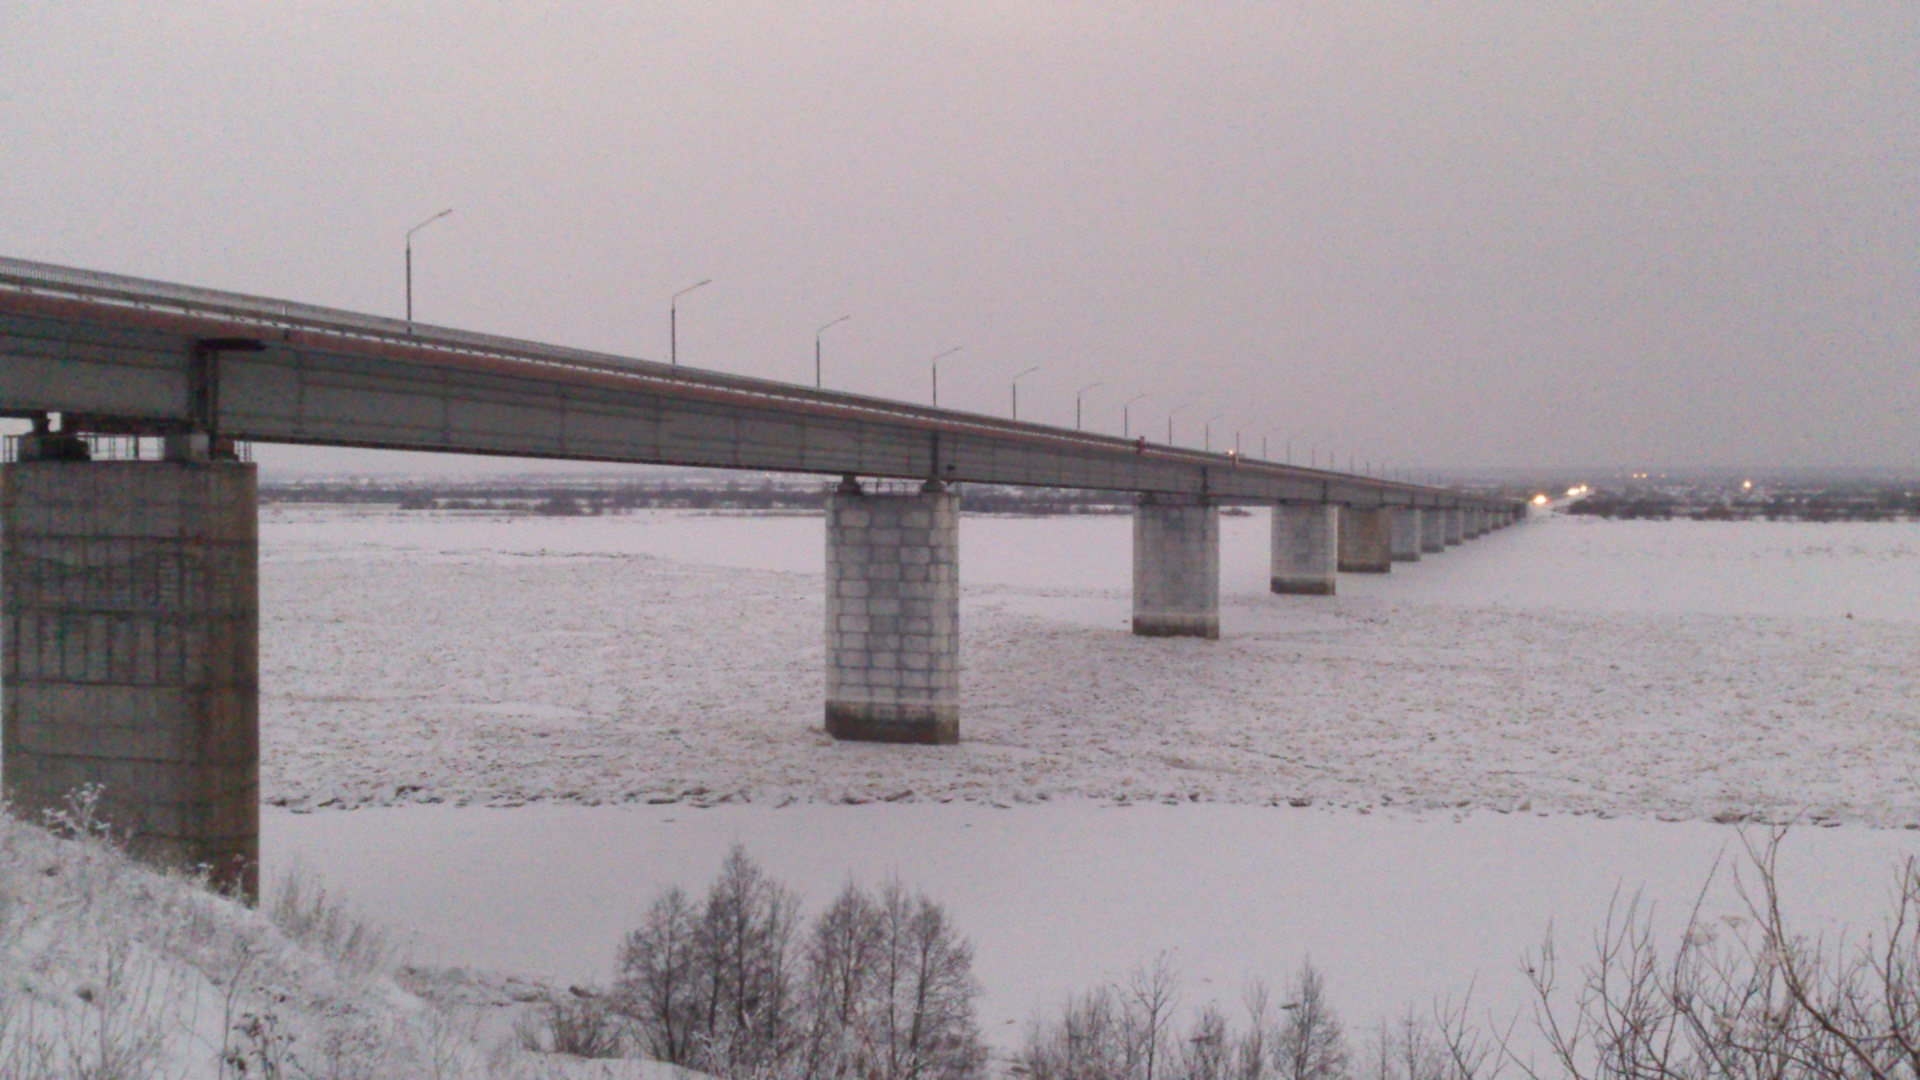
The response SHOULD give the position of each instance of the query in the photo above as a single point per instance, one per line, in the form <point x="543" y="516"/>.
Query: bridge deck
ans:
<point x="121" y="352"/>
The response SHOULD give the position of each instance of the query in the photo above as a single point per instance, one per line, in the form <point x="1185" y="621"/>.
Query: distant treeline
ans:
<point x="585" y="500"/>
<point x="1885" y="505"/>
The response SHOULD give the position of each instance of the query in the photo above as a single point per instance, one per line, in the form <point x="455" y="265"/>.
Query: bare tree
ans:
<point x="1407" y="1049"/>
<point x="745" y="941"/>
<point x="927" y="991"/>
<point x="1084" y="1043"/>
<point x="1250" y="1056"/>
<point x="842" y="957"/>
<point x="1207" y="1052"/>
<point x="1309" y="1044"/>
<point x="1147" y="1001"/>
<point x="1769" y="1002"/>
<point x="661" y="980"/>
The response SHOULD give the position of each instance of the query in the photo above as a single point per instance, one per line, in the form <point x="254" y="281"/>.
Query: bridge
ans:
<point x="129" y="587"/>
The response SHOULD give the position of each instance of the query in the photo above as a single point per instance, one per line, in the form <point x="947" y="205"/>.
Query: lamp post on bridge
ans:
<point x="1126" y="416"/>
<point x="673" y="322"/>
<point x="1076" y="402"/>
<point x="816" y="347"/>
<point x="1016" y="388"/>
<point x="1208" y="426"/>
<point x="410" y="233"/>
<point x="1170" y="417"/>
<point x="935" y="363"/>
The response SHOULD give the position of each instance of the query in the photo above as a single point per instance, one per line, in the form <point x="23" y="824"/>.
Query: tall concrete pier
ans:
<point x="1176" y="567"/>
<point x="1306" y="537"/>
<point x="1433" y="531"/>
<point x="131" y="607"/>
<point x="1366" y="541"/>
<point x="893" y="615"/>
<point x="1404" y="536"/>
<point x="1456" y="526"/>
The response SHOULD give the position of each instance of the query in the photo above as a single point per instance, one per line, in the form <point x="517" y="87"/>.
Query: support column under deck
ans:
<point x="131" y="606"/>
<point x="1433" y="531"/>
<point x="1404" y="537"/>
<point x="1176" y="567"/>
<point x="893" y="616"/>
<point x="1306" y="537"/>
<point x="1366" y="541"/>
<point x="1456" y="526"/>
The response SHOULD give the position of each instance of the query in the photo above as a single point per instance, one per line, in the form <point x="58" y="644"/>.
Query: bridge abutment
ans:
<point x="1305" y="539"/>
<point x="893" y="616"/>
<point x="1176" y="566"/>
<point x="131" y="607"/>
<point x="1404" y="535"/>
<point x="1366" y="540"/>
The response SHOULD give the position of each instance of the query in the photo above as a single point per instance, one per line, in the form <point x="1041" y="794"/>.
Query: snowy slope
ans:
<point x="110" y="969"/>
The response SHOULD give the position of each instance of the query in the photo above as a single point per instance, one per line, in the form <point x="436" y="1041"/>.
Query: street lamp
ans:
<point x="1209" y="428"/>
<point x="1236" y="441"/>
<point x="1126" y="418"/>
<point x="816" y="347"/>
<point x="1170" y="417"/>
<point x="410" y="233"/>
<point x="1076" y="402"/>
<point x="673" y="322"/>
<point x="1016" y="389"/>
<point x="935" y="362"/>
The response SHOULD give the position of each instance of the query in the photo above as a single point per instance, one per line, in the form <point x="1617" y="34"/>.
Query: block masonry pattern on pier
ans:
<point x="130" y="602"/>
<point x="893" y="616"/>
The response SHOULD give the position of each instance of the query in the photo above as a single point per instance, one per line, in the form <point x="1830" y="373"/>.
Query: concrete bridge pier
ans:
<point x="1456" y="526"/>
<point x="1176" y="566"/>
<point x="1433" y="531"/>
<point x="1366" y="540"/>
<point x="131" y="610"/>
<point x="1306" y="538"/>
<point x="893" y="615"/>
<point x="1404" y="535"/>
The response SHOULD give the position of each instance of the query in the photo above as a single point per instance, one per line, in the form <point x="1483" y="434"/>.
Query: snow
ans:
<point x="110" y="968"/>
<point x="1486" y="742"/>
<point x="1686" y="670"/>
<point x="1396" y="909"/>
<point x="1409" y="782"/>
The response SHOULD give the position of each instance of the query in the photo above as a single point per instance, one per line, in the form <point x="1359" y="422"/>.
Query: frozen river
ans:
<point x="1489" y="740"/>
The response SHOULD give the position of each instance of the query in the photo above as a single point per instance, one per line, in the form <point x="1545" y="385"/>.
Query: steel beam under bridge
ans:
<point x="118" y="353"/>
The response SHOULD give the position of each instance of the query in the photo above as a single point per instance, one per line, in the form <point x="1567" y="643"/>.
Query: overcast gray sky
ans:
<point x="1676" y="234"/>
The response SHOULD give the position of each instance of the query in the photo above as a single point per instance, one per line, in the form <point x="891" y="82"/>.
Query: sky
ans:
<point x="1438" y="236"/>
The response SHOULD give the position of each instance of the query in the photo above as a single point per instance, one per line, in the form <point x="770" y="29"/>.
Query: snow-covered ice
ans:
<point x="1457" y="730"/>
<point x="1689" y="670"/>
